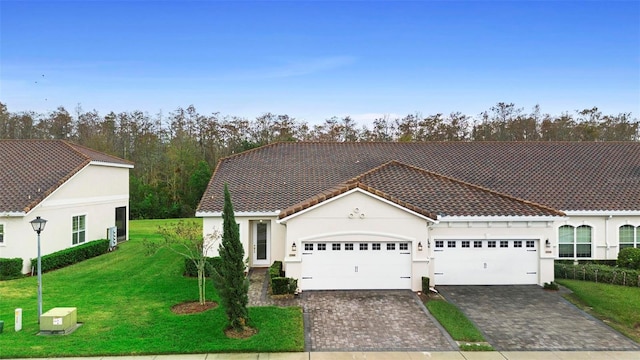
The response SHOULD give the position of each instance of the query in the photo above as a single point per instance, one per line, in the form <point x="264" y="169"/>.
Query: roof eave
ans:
<point x="499" y="218"/>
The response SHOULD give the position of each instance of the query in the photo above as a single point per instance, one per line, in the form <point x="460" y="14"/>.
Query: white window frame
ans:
<point x="574" y="242"/>
<point x="74" y="232"/>
<point x="2" y="232"/>
<point x="635" y="239"/>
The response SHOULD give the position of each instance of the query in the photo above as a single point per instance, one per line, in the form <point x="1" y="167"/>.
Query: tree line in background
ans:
<point x="174" y="154"/>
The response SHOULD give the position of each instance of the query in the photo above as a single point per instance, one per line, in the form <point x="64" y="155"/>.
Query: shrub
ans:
<point x="191" y="270"/>
<point x="66" y="257"/>
<point x="280" y="284"/>
<point x="629" y="258"/>
<point x="598" y="273"/>
<point x="283" y="285"/>
<point x="275" y="270"/>
<point x="551" y="286"/>
<point x="10" y="268"/>
<point x="425" y="285"/>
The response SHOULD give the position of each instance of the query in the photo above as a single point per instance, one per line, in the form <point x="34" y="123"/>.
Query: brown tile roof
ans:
<point x="557" y="175"/>
<point x="429" y="194"/>
<point x="30" y="170"/>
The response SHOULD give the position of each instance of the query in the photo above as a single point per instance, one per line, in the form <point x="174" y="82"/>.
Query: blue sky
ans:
<point x="314" y="60"/>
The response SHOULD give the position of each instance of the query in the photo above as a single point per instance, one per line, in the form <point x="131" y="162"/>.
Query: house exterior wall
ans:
<point x="245" y="224"/>
<point x="500" y="230"/>
<point x="95" y="191"/>
<point x="359" y="217"/>
<point x="604" y="231"/>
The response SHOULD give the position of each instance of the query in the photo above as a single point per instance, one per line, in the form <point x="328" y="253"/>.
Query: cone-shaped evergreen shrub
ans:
<point x="229" y="277"/>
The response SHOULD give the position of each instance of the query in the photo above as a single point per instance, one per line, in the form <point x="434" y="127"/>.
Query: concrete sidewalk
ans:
<point x="437" y="355"/>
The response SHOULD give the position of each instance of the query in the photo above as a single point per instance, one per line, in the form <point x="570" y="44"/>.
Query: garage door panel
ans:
<point x="489" y="262"/>
<point x="348" y="265"/>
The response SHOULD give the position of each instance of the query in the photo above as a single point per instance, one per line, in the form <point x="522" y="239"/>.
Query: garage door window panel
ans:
<point x="322" y="247"/>
<point x="451" y="244"/>
<point x="477" y="244"/>
<point x="391" y="246"/>
<point x="404" y="246"/>
<point x="364" y="246"/>
<point x="308" y="247"/>
<point x="335" y="247"/>
<point x="439" y="244"/>
<point x="504" y="244"/>
<point x="375" y="246"/>
<point x="491" y="244"/>
<point x="465" y="244"/>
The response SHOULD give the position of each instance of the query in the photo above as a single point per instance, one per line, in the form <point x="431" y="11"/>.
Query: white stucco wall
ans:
<point x="359" y="217"/>
<point x="245" y="224"/>
<point x="95" y="191"/>
<point x="604" y="232"/>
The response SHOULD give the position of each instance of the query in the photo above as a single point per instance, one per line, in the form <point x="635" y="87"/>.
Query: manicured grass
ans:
<point x="454" y="321"/>
<point x="124" y="300"/>
<point x="618" y="306"/>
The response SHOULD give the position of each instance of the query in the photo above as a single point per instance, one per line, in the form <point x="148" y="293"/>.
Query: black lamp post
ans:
<point x="38" y="226"/>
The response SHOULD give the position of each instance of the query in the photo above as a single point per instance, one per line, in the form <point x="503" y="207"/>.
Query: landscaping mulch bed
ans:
<point x="193" y="307"/>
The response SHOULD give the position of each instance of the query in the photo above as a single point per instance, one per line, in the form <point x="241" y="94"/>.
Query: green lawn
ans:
<point x="618" y="306"/>
<point x="124" y="299"/>
<point x="454" y="321"/>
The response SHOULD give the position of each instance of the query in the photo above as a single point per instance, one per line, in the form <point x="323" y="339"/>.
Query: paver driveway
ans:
<point x="529" y="318"/>
<point x="370" y="320"/>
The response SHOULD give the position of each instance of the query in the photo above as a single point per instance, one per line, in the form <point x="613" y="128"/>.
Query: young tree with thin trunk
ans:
<point x="185" y="239"/>
<point x="229" y="277"/>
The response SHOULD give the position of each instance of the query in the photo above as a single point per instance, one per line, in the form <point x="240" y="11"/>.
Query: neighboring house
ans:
<point x="383" y="215"/>
<point x="79" y="191"/>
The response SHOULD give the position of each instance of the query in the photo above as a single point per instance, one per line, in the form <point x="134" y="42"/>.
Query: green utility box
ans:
<point x="59" y="320"/>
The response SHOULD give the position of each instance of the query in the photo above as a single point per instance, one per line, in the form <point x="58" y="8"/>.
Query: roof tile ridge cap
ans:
<point x="209" y="183"/>
<point x="358" y="178"/>
<point x="245" y="152"/>
<point x="395" y="200"/>
<point x="75" y="147"/>
<point x="482" y="188"/>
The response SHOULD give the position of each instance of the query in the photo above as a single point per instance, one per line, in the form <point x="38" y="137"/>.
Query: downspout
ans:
<point x="606" y="236"/>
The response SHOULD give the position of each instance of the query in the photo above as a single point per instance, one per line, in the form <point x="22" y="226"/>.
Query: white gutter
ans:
<point x="602" y="212"/>
<point x="104" y="163"/>
<point x="13" y="214"/>
<point x="239" y="213"/>
<point x="499" y="218"/>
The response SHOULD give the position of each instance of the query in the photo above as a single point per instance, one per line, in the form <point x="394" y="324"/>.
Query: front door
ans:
<point x="261" y="243"/>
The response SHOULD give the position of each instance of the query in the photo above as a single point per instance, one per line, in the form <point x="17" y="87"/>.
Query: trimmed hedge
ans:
<point x="275" y="270"/>
<point x="598" y="273"/>
<point x="10" y="268"/>
<point x="70" y="256"/>
<point x="191" y="270"/>
<point x="281" y="285"/>
<point x="629" y="258"/>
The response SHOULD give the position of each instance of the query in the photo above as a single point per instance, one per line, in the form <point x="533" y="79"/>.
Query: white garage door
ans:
<point x="355" y="265"/>
<point x="486" y="262"/>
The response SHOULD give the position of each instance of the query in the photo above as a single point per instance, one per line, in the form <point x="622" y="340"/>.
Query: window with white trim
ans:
<point x="1" y="233"/>
<point x="574" y="242"/>
<point x="629" y="236"/>
<point x="78" y="231"/>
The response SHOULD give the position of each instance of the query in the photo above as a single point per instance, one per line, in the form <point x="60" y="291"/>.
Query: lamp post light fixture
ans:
<point x="38" y="226"/>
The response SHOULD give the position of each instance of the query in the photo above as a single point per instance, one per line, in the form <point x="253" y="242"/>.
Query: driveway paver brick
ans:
<point x="370" y="320"/>
<point x="526" y="317"/>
